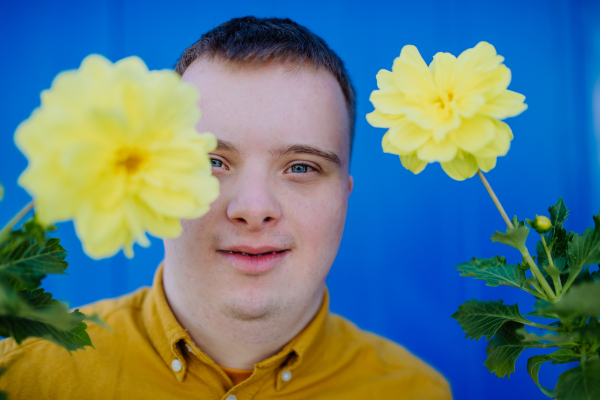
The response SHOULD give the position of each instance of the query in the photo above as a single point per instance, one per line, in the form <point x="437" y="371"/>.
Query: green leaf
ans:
<point x="484" y="318"/>
<point x="533" y="367"/>
<point x="505" y="347"/>
<point x="26" y="257"/>
<point x="557" y="338"/>
<point x="585" y="249"/>
<point x="564" y="355"/>
<point x="557" y="239"/>
<point x="493" y="270"/>
<point x="580" y="300"/>
<point x="581" y="382"/>
<point x="558" y="213"/>
<point x="596" y="276"/>
<point x="514" y="237"/>
<point x="36" y="314"/>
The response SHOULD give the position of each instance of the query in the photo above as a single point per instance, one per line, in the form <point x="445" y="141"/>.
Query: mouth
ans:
<point x="250" y="254"/>
<point x="254" y="261"/>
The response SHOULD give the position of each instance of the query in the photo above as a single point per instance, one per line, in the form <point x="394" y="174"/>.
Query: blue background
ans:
<point x="394" y="274"/>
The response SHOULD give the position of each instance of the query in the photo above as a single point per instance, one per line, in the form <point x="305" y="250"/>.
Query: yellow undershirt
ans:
<point x="237" y="375"/>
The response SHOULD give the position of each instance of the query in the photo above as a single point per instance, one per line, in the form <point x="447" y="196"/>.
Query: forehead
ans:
<point x="271" y="104"/>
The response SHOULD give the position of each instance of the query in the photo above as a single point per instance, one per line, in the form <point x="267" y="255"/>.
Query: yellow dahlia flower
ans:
<point x="114" y="147"/>
<point x="448" y="112"/>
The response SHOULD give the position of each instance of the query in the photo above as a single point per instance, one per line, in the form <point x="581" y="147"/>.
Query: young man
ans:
<point x="239" y="308"/>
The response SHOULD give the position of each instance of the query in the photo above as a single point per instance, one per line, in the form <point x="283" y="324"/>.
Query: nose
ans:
<point x="254" y="204"/>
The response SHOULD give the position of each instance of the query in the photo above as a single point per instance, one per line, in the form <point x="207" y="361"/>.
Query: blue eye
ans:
<point x="216" y="163"/>
<point x="299" y="168"/>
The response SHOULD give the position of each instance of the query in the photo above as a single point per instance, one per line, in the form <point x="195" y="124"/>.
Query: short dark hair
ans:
<point x="250" y="39"/>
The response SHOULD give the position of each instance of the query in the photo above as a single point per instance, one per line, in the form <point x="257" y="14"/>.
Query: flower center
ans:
<point x="130" y="159"/>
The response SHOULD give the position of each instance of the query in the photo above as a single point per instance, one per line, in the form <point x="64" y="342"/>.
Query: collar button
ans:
<point x="231" y="397"/>
<point x="176" y="365"/>
<point x="286" y="375"/>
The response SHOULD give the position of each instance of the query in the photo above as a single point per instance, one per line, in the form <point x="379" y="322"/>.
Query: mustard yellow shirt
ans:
<point x="150" y="356"/>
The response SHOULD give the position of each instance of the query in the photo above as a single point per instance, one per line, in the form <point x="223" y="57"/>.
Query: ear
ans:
<point x="350" y="184"/>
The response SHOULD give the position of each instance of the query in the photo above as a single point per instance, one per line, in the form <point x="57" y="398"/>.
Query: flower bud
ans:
<point x="541" y="224"/>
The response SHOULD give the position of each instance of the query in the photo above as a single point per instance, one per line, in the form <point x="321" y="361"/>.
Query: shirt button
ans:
<point x="286" y="376"/>
<point x="231" y="397"/>
<point x="189" y="348"/>
<point x="176" y="365"/>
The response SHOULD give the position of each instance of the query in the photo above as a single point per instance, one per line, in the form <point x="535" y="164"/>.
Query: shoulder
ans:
<point x="36" y="357"/>
<point x="394" y="364"/>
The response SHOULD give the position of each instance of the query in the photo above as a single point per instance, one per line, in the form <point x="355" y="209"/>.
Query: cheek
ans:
<point x="320" y="219"/>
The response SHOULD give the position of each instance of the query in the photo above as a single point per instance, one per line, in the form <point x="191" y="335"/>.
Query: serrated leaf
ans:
<point x="26" y="258"/>
<point x="505" y="347"/>
<point x="585" y="249"/>
<point x="26" y="314"/>
<point x="581" y="382"/>
<point x="533" y="367"/>
<point x="564" y="355"/>
<point x="493" y="270"/>
<point x="484" y="318"/>
<point x="514" y="237"/>
<point x="558" y="213"/>
<point x="580" y="300"/>
<point x="557" y="238"/>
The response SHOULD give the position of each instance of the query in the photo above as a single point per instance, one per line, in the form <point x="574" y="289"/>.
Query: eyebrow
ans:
<point x="227" y="146"/>
<point x="287" y="150"/>
<point x="307" y="149"/>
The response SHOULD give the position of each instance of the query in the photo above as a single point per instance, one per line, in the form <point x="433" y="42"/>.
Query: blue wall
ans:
<point x="394" y="274"/>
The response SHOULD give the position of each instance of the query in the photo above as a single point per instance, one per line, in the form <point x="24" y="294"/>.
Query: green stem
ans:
<point x="538" y="274"/>
<point x="9" y="226"/>
<point x="496" y="201"/>
<point x="568" y="284"/>
<point x="539" y="295"/>
<point x="555" y="279"/>
<point x="541" y="326"/>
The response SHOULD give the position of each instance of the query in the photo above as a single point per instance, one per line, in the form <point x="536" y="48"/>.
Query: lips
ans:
<point x="254" y="260"/>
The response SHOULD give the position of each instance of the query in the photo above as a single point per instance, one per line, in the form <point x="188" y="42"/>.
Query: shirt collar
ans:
<point x="165" y="332"/>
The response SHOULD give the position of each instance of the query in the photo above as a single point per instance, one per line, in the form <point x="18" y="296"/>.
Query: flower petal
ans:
<point x="468" y="103"/>
<point x="413" y="164"/>
<point x="419" y="116"/>
<point x="482" y="57"/>
<point x="473" y="133"/>
<point x="381" y="120"/>
<point x="441" y="67"/>
<point x="386" y="81"/>
<point x="486" y="164"/>
<point x="500" y="144"/>
<point x="388" y="102"/>
<point x="406" y="136"/>
<point x="463" y="166"/>
<point x="412" y="74"/>
<point x="506" y="104"/>
<point x="433" y="150"/>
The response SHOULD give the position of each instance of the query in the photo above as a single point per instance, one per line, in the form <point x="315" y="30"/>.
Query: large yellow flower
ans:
<point x="448" y="112"/>
<point x="114" y="147"/>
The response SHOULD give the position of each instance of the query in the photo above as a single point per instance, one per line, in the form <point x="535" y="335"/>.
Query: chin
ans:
<point x="255" y="304"/>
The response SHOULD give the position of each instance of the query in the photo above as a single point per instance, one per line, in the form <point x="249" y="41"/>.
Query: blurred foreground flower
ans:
<point x="114" y="147"/>
<point x="448" y="112"/>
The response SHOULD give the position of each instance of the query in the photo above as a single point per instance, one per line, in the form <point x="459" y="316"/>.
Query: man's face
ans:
<point x="271" y="237"/>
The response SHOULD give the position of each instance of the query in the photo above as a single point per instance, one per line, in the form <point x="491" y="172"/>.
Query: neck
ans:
<point x="232" y="342"/>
